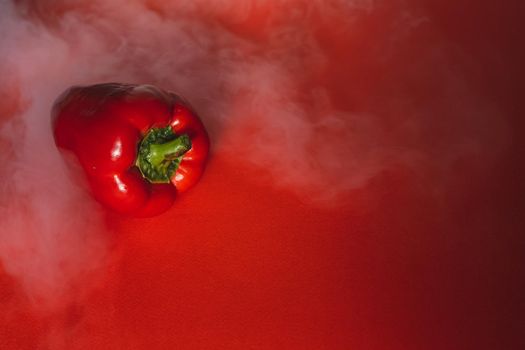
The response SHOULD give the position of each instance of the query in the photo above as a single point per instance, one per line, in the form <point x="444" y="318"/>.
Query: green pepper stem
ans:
<point x="161" y="153"/>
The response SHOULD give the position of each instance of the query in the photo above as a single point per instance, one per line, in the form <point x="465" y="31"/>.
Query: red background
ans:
<point x="241" y="264"/>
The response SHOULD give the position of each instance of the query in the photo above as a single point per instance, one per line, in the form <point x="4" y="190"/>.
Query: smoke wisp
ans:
<point x="321" y="96"/>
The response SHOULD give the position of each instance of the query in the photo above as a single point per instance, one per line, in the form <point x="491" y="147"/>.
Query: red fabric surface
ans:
<point x="237" y="264"/>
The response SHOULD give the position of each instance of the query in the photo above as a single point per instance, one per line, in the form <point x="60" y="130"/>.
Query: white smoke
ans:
<point x="318" y="118"/>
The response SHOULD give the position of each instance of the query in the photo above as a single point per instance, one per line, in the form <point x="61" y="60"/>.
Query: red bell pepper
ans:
<point x="139" y="145"/>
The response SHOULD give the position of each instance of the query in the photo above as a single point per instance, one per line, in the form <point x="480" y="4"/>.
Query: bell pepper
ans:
<point x="138" y="145"/>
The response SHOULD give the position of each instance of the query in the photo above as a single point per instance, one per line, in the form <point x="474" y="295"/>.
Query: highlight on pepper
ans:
<point x="139" y="145"/>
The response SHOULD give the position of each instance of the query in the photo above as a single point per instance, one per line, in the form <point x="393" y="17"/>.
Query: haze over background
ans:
<point x="364" y="189"/>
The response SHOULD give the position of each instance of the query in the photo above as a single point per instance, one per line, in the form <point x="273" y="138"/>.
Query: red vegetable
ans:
<point x="139" y="145"/>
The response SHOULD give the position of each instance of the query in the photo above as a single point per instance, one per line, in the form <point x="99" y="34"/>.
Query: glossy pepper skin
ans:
<point x="138" y="145"/>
